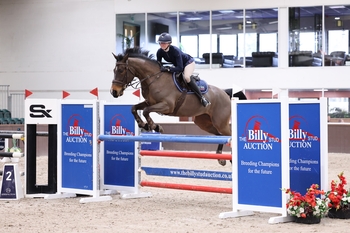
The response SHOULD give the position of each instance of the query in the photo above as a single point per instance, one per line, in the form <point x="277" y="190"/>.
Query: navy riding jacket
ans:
<point x="175" y="56"/>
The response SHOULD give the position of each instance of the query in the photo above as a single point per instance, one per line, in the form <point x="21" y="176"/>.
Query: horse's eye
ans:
<point x="120" y="70"/>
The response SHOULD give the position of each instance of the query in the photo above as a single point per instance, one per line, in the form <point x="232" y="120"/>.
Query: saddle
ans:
<point x="182" y="86"/>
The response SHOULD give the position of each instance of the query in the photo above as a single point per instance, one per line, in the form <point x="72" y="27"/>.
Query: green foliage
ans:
<point x="341" y="114"/>
<point x="127" y="39"/>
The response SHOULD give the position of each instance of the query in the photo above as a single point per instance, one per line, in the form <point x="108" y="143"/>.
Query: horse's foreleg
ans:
<point x="161" y="107"/>
<point x="137" y="117"/>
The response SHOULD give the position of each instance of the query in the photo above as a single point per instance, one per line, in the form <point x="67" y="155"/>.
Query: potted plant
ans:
<point x="308" y="208"/>
<point x="339" y="199"/>
<point x="127" y="39"/>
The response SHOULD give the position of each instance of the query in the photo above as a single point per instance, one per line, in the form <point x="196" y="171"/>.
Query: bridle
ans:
<point x="134" y="84"/>
<point x="124" y="82"/>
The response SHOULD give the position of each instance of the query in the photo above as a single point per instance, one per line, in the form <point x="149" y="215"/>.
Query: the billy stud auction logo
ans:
<point x="299" y="135"/>
<point x="118" y="125"/>
<point x="257" y="134"/>
<point x="75" y="132"/>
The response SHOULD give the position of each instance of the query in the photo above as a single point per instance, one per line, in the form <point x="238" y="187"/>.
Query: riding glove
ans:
<point x="165" y="69"/>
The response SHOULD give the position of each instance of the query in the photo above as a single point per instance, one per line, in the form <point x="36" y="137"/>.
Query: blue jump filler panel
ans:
<point x="119" y="157"/>
<point x="77" y="146"/>
<point x="305" y="146"/>
<point x="259" y="154"/>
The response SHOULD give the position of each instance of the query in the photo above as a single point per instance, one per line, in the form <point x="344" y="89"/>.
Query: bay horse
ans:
<point x="162" y="96"/>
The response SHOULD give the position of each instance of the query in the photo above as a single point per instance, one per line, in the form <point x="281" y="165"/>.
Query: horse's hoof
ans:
<point x="156" y="128"/>
<point x="145" y="127"/>
<point x="222" y="162"/>
<point x="159" y="129"/>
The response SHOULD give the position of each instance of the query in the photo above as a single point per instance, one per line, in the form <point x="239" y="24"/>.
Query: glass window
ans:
<point x="268" y="42"/>
<point x="189" y="45"/>
<point x="338" y="105"/>
<point x="204" y="41"/>
<point x="338" y="40"/>
<point x="226" y="24"/>
<point x="130" y="31"/>
<point x="228" y="44"/>
<point x="251" y="44"/>
<point x="305" y="36"/>
<point x="193" y="24"/>
<point x="307" y="41"/>
<point x="157" y="23"/>
<point x="337" y="37"/>
<point x="261" y="28"/>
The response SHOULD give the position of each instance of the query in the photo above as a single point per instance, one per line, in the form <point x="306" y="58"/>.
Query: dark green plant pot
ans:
<point x="308" y="220"/>
<point x="340" y="213"/>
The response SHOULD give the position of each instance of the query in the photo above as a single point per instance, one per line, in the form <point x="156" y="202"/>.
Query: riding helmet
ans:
<point x="165" y="38"/>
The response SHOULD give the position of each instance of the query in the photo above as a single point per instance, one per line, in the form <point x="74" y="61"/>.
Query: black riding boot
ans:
<point x="196" y="90"/>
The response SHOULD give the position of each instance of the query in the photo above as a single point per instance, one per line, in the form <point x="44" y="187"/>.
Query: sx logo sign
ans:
<point x="39" y="111"/>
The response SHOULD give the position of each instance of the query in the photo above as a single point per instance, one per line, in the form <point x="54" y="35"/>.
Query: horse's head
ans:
<point x="135" y="62"/>
<point x="123" y="75"/>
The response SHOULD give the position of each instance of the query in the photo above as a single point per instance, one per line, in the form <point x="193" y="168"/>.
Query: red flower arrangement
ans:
<point x="338" y="197"/>
<point x="308" y="205"/>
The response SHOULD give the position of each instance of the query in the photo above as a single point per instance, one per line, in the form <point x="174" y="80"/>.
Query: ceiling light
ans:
<point x="194" y="18"/>
<point x="321" y="89"/>
<point x="226" y="11"/>
<point x="339" y="23"/>
<point x="224" y="28"/>
<point x="175" y="13"/>
<point x="336" y="7"/>
<point x="254" y="25"/>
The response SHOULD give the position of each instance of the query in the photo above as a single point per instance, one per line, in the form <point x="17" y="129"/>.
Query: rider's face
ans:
<point x="164" y="45"/>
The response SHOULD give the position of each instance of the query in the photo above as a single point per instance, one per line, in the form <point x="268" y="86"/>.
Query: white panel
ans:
<point x="41" y="111"/>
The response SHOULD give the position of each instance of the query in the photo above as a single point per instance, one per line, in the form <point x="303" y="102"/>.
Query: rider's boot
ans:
<point x="196" y="90"/>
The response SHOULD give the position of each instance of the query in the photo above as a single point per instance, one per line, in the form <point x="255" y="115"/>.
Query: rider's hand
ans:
<point x="165" y="69"/>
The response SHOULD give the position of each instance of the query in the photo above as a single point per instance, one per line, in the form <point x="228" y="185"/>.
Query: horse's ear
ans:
<point x="115" y="56"/>
<point x="125" y="57"/>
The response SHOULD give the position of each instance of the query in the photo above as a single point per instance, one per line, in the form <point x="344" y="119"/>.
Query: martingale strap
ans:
<point x="180" y="101"/>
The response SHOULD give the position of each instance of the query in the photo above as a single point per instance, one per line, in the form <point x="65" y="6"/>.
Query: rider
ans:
<point x="182" y="63"/>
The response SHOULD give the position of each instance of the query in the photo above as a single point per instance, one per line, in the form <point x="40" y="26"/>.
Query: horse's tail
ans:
<point x="239" y="94"/>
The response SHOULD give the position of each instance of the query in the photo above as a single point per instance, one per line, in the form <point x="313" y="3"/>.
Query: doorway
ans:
<point x="131" y="35"/>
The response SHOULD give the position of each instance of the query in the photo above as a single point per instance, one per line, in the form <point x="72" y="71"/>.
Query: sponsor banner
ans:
<point x="119" y="158"/>
<point x="304" y="145"/>
<point x="188" y="173"/>
<point x="41" y="111"/>
<point x="259" y="154"/>
<point x="77" y="146"/>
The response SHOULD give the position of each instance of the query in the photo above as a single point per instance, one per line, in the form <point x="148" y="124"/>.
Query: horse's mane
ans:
<point x="139" y="53"/>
